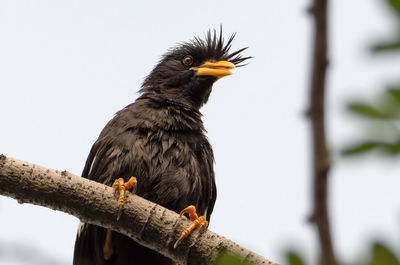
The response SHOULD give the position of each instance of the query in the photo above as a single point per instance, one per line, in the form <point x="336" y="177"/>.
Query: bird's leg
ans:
<point x="108" y="250"/>
<point x="120" y="186"/>
<point x="197" y="221"/>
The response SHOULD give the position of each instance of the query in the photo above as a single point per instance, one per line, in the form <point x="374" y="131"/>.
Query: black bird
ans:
<point x="160" y="140"/>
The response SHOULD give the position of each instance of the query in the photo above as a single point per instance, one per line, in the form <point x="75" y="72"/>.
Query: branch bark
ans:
<point x="145" y="222"/>
<point x="321" y="163"/>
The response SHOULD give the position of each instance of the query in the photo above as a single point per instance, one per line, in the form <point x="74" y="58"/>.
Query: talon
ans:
<point x="120" y="186"/>
<point x="197" y="221"/>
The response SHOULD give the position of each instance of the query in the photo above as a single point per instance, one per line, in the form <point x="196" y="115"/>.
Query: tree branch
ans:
<point x="149" y="224"/>
<point x="321" y="163"/>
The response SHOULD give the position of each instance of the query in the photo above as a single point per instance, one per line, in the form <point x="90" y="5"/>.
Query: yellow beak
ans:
<point x="217" y="69"/>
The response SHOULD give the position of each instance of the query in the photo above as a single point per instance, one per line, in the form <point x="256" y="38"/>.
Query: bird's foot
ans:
<point x="197" y="221"/>
<point x="120" y="187"/>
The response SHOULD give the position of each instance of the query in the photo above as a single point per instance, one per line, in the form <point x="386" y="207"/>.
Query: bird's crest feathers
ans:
<point x="214" y="46"/>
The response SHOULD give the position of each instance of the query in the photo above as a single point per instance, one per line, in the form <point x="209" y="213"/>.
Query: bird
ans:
<point x="158" y="146"/>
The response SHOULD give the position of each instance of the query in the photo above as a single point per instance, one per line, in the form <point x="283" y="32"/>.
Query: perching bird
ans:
<point x="160" y="140"/>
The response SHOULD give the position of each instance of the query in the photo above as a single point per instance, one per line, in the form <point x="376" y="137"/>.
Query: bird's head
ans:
<point x="186" y="73"/>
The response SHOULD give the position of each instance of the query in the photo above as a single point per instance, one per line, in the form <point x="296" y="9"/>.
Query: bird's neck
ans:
<point x="170" y="113"/>
<point x="171" y="99"/>
<point x="193" y="94"/>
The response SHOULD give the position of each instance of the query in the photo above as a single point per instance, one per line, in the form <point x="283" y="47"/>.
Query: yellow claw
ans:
<point x="121" y="186"/>
<point x="197" y="221"/>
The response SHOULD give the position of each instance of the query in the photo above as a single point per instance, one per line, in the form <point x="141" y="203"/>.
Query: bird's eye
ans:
<point x="188" y="60"/>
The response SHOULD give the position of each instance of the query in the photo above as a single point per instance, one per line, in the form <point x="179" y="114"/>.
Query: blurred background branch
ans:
<point x="316" y="112"/>
<point x="380" y="134"/>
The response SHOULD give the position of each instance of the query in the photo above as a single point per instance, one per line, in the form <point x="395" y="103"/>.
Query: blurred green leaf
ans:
<point x="367" y="111"/>
<point x="359" y="148"/>
<point x="394" y="92"/>
<point x="226" y="258"/>
<point x="395" y="4"/>
<point x="386" y="47"/>
<point x="391" y="148"/>
<point x="293" y="258"/>
<point x="382" y="256"/>
<point x="388" y="148"/>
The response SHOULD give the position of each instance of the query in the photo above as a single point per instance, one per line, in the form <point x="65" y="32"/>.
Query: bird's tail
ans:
<point x="88" y="245"/>
<point x="89" y="249"/>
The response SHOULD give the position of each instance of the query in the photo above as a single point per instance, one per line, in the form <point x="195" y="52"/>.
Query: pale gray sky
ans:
<point x="67" y="66"/>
